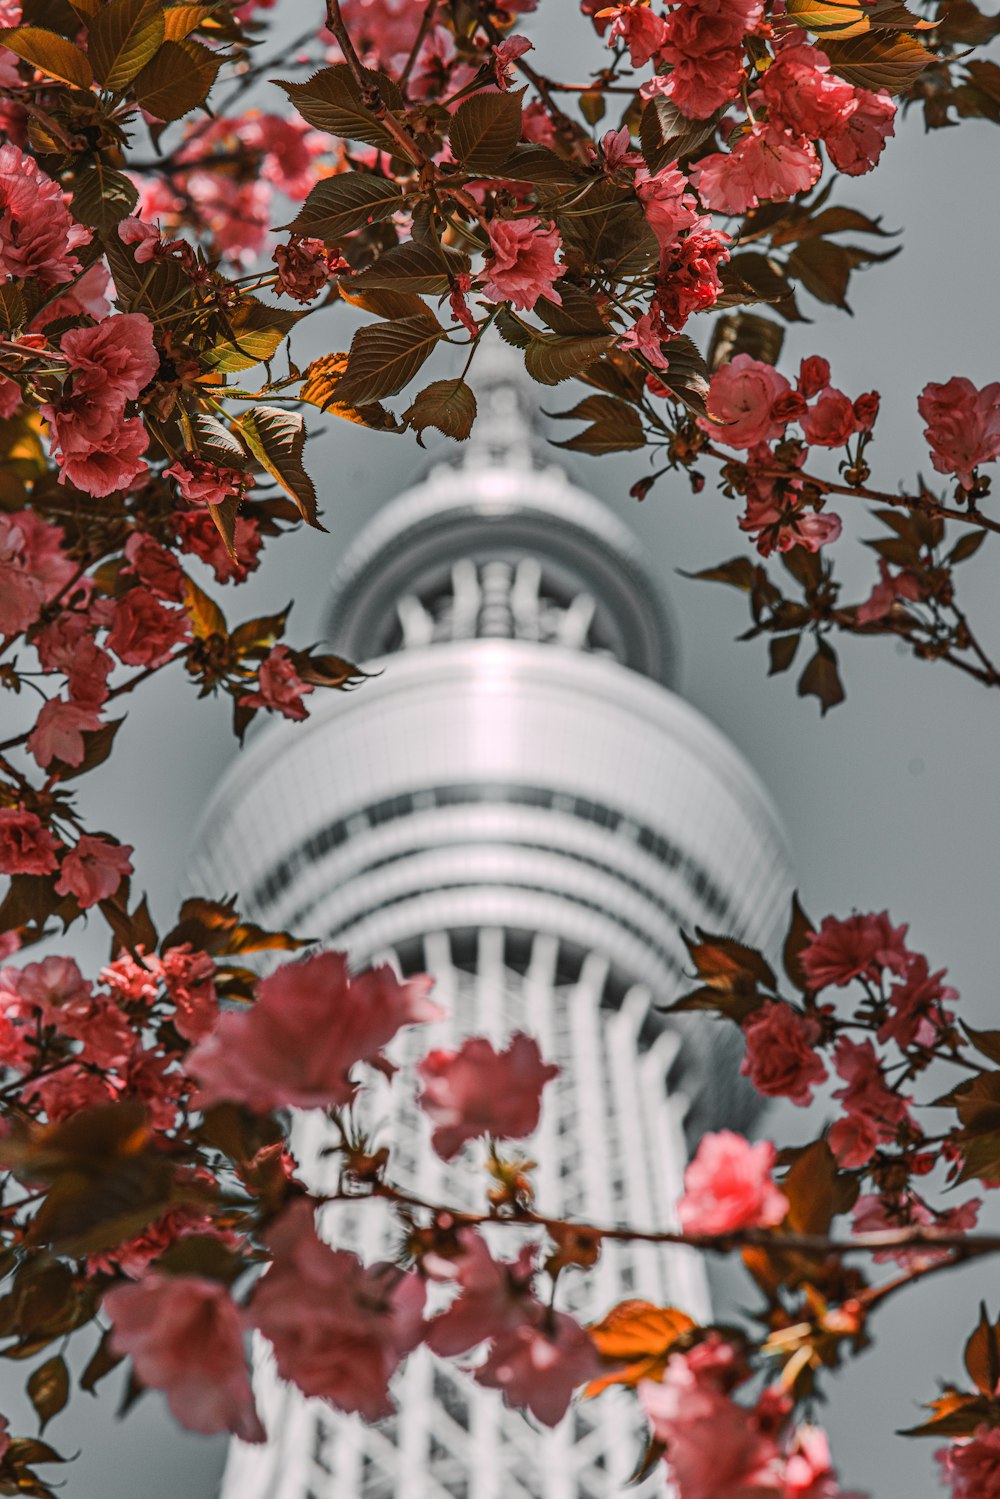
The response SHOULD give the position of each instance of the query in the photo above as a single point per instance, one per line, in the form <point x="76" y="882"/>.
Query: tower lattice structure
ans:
<point x="521" y="806"/>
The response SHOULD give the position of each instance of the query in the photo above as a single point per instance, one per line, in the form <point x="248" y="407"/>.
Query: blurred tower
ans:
<point x="520" y="805"/>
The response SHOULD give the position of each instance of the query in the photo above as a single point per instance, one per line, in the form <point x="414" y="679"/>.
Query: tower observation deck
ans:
<point x="520" y="805"/>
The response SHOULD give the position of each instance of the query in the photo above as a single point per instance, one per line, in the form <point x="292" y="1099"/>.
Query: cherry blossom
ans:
<point x="281" y="689"/>
<point x="93" y="869"/>
<point x="781" y="1059"/>
<point x="202" y="482"/>
<point x="478" y="1090"/>
<point x="184" y="1336"/>
<point x="311" y="1024"/>
<point x="728" y="1186"/>
<point x="740" y="402"/>
<point x="537" y="1366"/>
<point x="972" y="1468"/>
<point x="858" y="947"/>
<point x="144" y="631"/>
<point x="887" y="590"/>
<point x="338" y="1328"/>
<point x="963" y="426"/>
<point x="38" y="236"/>
<point x="831" y="421"/>
<point x="26" y="845"/>
<point x="494" y="1297"/>
<point x="522" y="265"/>
<point x="59" y="730"/>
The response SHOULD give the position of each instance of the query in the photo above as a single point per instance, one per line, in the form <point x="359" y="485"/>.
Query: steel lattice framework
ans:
<point x="521" y="806"/>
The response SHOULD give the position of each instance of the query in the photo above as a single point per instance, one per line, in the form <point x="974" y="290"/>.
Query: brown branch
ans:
<point x="371" y="96"/>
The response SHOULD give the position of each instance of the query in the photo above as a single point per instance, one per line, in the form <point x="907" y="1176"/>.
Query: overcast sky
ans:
<point x="890" y="801"/>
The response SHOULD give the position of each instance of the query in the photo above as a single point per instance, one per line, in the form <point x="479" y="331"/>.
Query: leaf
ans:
<point x="724" y="963"/>
<point x="982" y="1354"/>
<point x="877" y="60"/>
<point x="553" y="357"/>
<point x="103" y="197"/>
<point x="255" y="332"/>
<point x="817" y="1192"/>
<point x="386" y="303"/>
<point x="384" y="357"/>
<point x="216" y="927"/>
<point x="740" y="573"/>
<point x="821" y="679"/>
<point x="213" y="440"/>
<point x="530" y="162"/>
<point x="986" y="1042"/>
<point x="410" y="267"/>
<point x="615" y="426"/>
<point x="485" y="129"/>
<point x="277" y="438"/>
<point x="331" y="100"/>
<point x="686" y="375"/>
<point x="745" y="333"/>
<point x="180" y="20"/>
<point x="639" y="1336"/>
<point x="666" y="135"/>
<point x="177" y="79"/>
<point x="48" y="1389"/>
<point x="782" y="649"/>
<point x="800" y="929"/>
<point x="341" y="204"/>
<point x="576" y="314"/>
<point x="848" y="18"/>
<point x="97" y="747"/>
<point x="50" y="53"/>
<point x="101" y="1363"/>
<point x="965" y="547"/>
<point x="955" y="1415"/>
<point x="204" y="613"/>
<point x="322" y="379"/>
<point x="123" y="37"/>
<point x="447" y="405"/>
<point x="13" y="311"/>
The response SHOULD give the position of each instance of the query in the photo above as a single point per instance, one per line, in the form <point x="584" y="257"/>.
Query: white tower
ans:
<point x="519" y="805"/>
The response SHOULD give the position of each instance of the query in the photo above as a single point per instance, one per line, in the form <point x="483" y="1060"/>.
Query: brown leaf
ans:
<point x="50" y="53"/>
<point x="638" y="1336"/>
<point x="48" y="1389"/>
<point x="821" y="678"/>
<point x="800" y="929"/>
<point x="982" y="1354"/>
<point x="878" y="60"/>
<point x="447" y="405"/>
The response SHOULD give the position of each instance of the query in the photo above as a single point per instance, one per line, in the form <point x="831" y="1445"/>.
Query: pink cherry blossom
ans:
<point x="59" y="730"/>
<point x="803" y="95"/>
<point x="37" y="233"/>
<point x="765" y="165"/>
<point x="856" y="145"/>
<point x="700" y="82"/>
<point x="339" y="1328"/>
<point x="198" y="535"/>
<point x="184" y="1335"/>
<point x="873" y="1111"/>
<point x="522" y="264"/>
<point x="809" y="1472"/>
<point x="972" y="1468"/>
<point x="189" y="977"/>
<point x="11" y="398"/>
<point x="478" y="1091"/>
<point x="875" y="1214"/>
<point x="116" y="356"/>
<point x="202" y="482"/>
<point x="505" y="55"/>
<point x="97" y="451"/>
<point x="740" y="400"/>
<point x="831" y="422"/>
<point x="70" y="1090"/>
<point x="688" y="279"/>
<point x="93" y="870"/>
<point x="669" y="205"/>
<point x="155" y="566"/>
<point x="495" y="1296"/>
<point x="537" y="1366"/>
<point x="641" y="29"/>
<point x="716" y="1448"/>
<point x="26" y="845"/>
<point x="33" y="569"/>
<point x="963" y="426"/>
<point x="728" y="1186"/>
<point x="303" y="268"/>
<point x="781" y="1059"/>
<point x="145" y="631"/>
<point x="814" y="375"/>
<point x="917" y="1013"/>
<point x="311" y="1024"/>
<point x="857" y="947"/>
<point x="281" y="689"/>
<point x="887" y="590"/>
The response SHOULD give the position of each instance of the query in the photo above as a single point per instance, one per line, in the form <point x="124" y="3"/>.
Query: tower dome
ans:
<point x="518" y="804"/>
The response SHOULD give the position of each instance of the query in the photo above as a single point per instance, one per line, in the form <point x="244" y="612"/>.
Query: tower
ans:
<point x="519" y="805"/>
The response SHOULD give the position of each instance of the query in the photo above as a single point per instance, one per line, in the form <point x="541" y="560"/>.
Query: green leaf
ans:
<point x="255" y="332"/>
<point x="821" y="679"/>
<point x="51" y="53"/>
<point x="666" y="135"/>
<point x="177" y="79"/>
<point x="877" y="60"/>
<point x="123" y="38"/>
<point x="485" y="130"/>
<point x="410" y="267"/>
<point x="339" y="205"/>
<point x="331" y="100"/>
<point x="615" y="426"/>
<point x="553" y="357"/>
<point x="48" y="1389"/>
<point x="103" y="197"/>
<point x="277" y="438"/>
<point x="384" y="357"/>
<point x="447" y="405"/>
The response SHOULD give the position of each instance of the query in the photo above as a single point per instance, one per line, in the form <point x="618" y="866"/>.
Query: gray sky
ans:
<point x="890" y="801"/>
